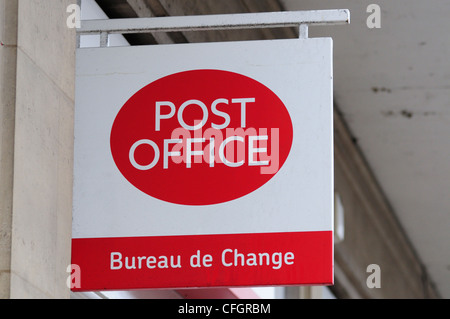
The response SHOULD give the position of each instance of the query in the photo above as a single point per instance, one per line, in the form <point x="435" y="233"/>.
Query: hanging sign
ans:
<point x="200" y="165"/>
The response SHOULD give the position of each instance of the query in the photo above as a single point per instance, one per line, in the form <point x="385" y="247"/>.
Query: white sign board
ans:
<point x="204" y="164"/>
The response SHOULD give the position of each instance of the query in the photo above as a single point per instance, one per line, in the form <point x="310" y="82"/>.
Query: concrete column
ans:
<point x="37" y="72"/>
<point x="8" y="53"/>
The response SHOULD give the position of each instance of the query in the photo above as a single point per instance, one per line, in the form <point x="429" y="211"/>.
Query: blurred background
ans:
<point x="392" y="141"/>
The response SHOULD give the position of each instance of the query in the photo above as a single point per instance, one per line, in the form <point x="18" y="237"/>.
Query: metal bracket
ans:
<point x="299" y="19"/>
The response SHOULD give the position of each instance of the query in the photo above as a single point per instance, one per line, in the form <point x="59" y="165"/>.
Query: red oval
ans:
<point x="256" y="117"/>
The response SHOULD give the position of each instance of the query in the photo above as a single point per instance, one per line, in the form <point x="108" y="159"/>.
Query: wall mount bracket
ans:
<point x="300" y="19"/>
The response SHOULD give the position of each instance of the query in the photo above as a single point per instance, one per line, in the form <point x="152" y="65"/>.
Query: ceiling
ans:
<point x="392" y="86"/>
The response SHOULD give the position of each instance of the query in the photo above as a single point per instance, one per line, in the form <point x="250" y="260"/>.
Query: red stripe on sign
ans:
<point x="294" y="258"/>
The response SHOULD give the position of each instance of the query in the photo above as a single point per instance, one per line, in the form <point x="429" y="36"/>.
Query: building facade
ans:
<point x="37" y="92"/>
